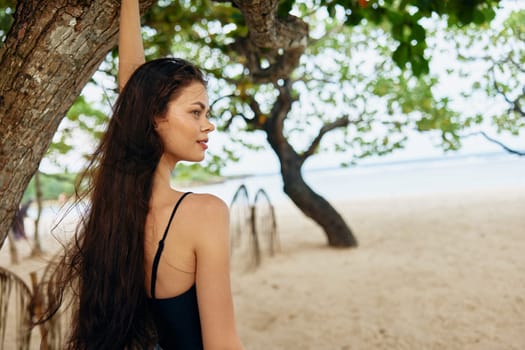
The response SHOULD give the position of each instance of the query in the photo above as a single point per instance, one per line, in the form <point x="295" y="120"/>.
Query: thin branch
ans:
<point x="233" y="116"/>
<point x="497" y="142"/>
<point x="254" y="106"/>
<point x="499" y="90"/>
<point x="517" y="64"/>
<point x="515" y="104"/>
<point x="221" y="98"/>
<point x="516" y="107"/>
<point x="338" y="123"/>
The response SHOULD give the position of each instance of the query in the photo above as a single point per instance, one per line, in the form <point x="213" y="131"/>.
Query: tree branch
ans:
<point x="338" y="123"/>
<point x="259" y="119"/>
<point x="515" y="104"/>
<point x="267" y="30"/>
<point x="275" y="124"/>
<point x="516" y="107"/>
<point x="499" y="143"/>
<point x="278" y="41"/>
<point x="220" y="98"/>
<point x="257" y="122"/>
<point x="230" y="120"/>
<point x="279" y="65"/>
<point x="517" y="65"/>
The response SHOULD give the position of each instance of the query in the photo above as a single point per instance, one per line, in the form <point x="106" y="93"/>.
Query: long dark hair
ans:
<point x="105" y="262"/>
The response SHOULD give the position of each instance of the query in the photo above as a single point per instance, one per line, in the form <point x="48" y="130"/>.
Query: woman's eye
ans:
<point x="196" y="113"/>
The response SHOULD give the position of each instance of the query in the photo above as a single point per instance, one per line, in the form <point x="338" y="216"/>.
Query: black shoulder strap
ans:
<point x="161" y="247"/>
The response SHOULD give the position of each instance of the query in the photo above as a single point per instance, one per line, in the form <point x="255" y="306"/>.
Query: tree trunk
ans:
<point x="50" y="53"/>
<point x="13" y="250"/>
<point x="317" y="208"/>
<point x="37" y="246"/>
<point x="314" y="206"/>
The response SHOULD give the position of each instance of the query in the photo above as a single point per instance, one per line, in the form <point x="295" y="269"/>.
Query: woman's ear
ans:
<point x="158" y="121"/>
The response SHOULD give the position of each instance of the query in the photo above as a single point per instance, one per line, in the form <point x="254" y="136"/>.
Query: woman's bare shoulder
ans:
<point x="207" y="203"/>
<point x="208" y="215"/>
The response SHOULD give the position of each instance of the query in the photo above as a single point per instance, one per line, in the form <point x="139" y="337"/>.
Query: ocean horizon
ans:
<point x="407" y="177"/>
<point x="445" y="174"/>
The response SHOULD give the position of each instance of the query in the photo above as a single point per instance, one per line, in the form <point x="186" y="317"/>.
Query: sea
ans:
<point x="439" y="175"/>
<point x="445" y="174"/>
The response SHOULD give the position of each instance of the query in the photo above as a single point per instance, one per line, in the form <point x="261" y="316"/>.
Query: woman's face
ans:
<point x="185" y="127"/>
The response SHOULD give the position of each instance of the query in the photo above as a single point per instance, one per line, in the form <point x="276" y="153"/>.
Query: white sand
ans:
<point x="431" y="272"/>
<point x="439" y="272"/>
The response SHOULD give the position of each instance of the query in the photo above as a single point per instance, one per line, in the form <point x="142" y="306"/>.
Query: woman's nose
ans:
<point x="208" y="127"/>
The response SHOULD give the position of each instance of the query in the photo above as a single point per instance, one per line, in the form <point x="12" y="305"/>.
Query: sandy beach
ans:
<point x="439" y="271"/>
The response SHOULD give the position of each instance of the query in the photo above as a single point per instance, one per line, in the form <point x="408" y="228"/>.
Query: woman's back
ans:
<point x="193" y="266"/>
<point x="176" y="266"/>
<point x="176" y="316"/>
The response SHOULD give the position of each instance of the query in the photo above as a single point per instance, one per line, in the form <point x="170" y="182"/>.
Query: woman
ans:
<point x="150" y="264"/>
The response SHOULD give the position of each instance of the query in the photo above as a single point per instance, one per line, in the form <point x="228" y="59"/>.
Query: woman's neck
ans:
<point x="162" y="176"/>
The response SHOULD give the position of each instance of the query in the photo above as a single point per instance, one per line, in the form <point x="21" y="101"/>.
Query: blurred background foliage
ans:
<point x="371" y="61"/>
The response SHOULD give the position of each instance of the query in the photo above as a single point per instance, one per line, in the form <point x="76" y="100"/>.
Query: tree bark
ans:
<point x="13" y="250"/>
<point x="267" y="30"/>
<point x="50" y="53"/>
<point x="313" y="205"/>
<point x="37" y="245"/>
<point x="281" y="41"/>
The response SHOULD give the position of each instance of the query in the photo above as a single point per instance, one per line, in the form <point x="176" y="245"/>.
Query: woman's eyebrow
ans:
<point x="202" y="105"/>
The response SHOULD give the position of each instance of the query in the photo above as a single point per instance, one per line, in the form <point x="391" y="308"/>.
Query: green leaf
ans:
<point x="285" y="6"/>
<point x="417" y="33"/>
<point x="419" y="65"/>
<point x="400" y="55"/>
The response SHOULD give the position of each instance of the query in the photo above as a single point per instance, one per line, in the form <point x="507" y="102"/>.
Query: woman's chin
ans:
<point x="197" y="159"/>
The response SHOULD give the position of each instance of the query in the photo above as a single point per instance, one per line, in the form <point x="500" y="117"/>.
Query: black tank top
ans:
<point x="177" y="319"/>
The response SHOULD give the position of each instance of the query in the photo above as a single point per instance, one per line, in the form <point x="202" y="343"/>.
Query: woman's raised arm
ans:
<point x="130" y="48"/>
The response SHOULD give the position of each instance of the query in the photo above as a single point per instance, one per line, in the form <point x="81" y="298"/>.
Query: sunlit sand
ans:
<point x="433" y="271"/>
